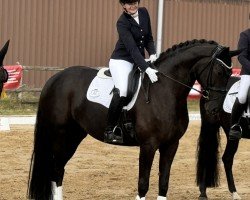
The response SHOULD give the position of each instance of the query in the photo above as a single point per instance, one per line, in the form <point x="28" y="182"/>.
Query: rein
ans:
<point x="201" y="92"/>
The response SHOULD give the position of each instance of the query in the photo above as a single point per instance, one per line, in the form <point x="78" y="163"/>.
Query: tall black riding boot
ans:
<point x="114" y="113"/>
<point x="237" y="111"/>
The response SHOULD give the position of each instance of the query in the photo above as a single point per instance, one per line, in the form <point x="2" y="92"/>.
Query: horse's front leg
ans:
<point x="227" y="158"/>
<point x="147" y="152"/>
<point x="203" y="189"/>
<point x="167" y="154"/>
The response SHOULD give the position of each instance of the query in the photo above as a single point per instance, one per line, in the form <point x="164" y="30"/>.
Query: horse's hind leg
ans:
<point x="203" y="189"/>
<point x="65" y="144"/>
<point x="167" y="154"/>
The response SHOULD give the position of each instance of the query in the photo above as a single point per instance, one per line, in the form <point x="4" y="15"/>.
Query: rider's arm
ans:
<point x="130" y="44"/>
<point x="244" y="56"/>
<point x="150" y="46"/>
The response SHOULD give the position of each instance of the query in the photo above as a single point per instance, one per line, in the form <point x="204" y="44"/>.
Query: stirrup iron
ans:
<point x="112" y="136"/>
<point x="235" y="132"/>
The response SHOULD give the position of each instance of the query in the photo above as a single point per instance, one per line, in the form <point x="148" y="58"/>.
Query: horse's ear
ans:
<point x="235" y="52"/>
<point x="3" y="52"/>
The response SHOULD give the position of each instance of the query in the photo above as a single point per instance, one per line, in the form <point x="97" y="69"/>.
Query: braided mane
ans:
<point x="183" y="45"/>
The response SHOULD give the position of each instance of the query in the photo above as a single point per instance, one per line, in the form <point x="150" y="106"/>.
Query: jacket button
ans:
<point x="141" y="30"/>
<point x="141" y="41"/>
<point x="142" y="36"/>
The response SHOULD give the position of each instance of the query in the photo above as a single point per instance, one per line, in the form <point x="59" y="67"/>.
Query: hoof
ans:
<point x="203" y="198"/>
<point x="138" y="198"/>
<point x="161" y="198"/>
<point x="236" y="196"/>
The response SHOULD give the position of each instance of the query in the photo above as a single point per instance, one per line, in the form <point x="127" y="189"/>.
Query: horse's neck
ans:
<point x="194" y="54"/>
<point x="183" y="62"/>
<point x="179" y="68"/>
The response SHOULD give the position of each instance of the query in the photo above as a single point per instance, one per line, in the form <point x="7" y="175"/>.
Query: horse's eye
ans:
<point x="220" y="73"/>
<point x="219" y="70"/>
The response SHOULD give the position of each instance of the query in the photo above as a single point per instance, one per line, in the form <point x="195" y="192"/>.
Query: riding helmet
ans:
<point x="128" y="1"/>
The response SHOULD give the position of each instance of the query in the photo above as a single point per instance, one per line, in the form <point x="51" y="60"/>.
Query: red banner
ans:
<point x="236" y="72"/>
<point x="15" y="76"/>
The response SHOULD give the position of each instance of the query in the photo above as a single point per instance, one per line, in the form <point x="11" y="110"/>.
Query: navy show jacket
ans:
<point x="134" y="38"/>
<point x="244" y="57"/>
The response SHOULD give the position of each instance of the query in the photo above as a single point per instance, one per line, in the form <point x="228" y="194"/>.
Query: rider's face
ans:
<point x="131" y="8"/>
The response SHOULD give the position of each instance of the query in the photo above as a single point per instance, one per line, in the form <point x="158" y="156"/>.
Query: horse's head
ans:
<point x="205" y="61"/>
<point x="213" y="73"/>
<point x="3" y="72"/>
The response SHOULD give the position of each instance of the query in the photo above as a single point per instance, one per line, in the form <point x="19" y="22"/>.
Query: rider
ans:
<point x="239" y="105"/>
<point x="135" y="34"/>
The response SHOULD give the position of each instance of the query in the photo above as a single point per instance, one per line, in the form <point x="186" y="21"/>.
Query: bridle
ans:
<point x="4" y="78"/>
<point x="205" y="92"/>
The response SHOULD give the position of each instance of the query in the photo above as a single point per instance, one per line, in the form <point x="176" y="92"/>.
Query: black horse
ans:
<point x="65" y="116"/>
<point x="3" y="72"/>
<point x="207" y="154"/>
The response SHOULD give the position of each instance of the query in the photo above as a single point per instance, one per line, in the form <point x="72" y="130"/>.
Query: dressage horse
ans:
<point x="65" y="116"/>
<point x="207" y="163"/>
<point x="3" y="72"/>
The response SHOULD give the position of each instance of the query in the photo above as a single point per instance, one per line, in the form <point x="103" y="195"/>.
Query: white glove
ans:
<point x="152" y="58"/>
<point x="152" y="74"/>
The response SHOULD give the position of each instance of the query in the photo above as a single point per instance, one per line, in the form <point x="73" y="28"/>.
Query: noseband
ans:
<point x="3" y="75"/>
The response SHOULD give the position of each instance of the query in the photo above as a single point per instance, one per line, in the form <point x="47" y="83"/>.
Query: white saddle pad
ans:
<point x="230" y="99"/>
<point x="100" y="90"/>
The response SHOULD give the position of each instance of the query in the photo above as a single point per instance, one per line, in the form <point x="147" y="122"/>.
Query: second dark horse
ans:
<point x="209" y="140"/>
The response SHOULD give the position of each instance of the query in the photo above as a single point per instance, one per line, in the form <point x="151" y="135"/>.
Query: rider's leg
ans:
<point x="238" y="108"/>
<point x="120" y="70"/>
<point x="235" y="131"/>
<point x="114" y="113"/>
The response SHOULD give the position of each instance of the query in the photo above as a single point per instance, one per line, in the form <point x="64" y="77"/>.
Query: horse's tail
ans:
<point x="39" y="184"/>
<point x="207" y="154"/>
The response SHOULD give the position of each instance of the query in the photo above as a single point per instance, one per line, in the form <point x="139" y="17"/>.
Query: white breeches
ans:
<point x="120" y="70"/>
<point x="244" y="87"/>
